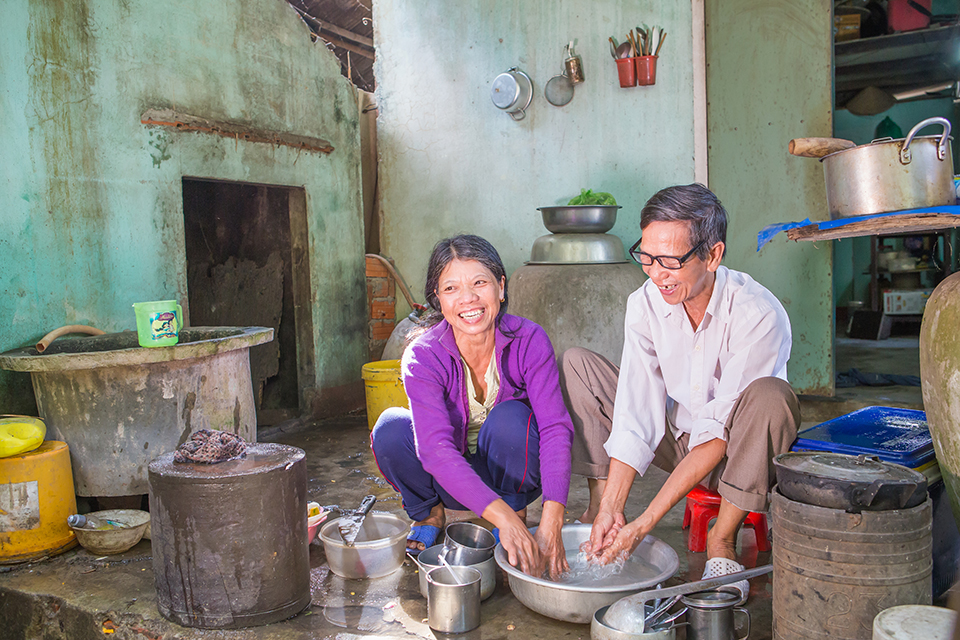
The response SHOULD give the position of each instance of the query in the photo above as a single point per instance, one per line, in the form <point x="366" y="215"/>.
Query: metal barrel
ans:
<point x="834" y="571"/>
<point x="230" y="546"/>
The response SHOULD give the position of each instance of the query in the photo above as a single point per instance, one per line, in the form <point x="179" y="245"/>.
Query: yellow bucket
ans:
<point x="36" y="496"/>
<point x="383" y="387"/>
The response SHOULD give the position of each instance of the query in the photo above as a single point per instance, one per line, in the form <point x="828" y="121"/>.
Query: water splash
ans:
<point x="585" y="571"/>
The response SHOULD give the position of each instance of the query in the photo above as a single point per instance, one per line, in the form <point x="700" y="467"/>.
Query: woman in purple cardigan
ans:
<point x="487" y="429"/>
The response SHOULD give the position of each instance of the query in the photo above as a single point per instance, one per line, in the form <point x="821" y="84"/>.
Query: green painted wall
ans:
<point x="451" y="162"/>
<point x="769" y="80"/>
<point x="91" y="213"/>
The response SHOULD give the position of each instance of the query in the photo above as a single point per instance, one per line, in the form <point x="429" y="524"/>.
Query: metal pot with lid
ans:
<point x="886" y="175"/>
<point x="852" y="483"/>
<point x="512" y="91"/>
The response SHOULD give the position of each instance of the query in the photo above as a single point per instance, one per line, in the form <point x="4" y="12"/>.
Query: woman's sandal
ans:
<point x="719" y="566"/>
<point x="423" y="533"/>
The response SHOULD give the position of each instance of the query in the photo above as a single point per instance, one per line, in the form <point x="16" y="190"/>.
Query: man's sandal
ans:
<point x="717" y="567"/>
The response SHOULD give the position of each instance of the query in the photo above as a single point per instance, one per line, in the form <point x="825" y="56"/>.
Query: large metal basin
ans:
<point x="119" y="405"/>
<point x="578" y="601"/>
<point x="577" y="248"/>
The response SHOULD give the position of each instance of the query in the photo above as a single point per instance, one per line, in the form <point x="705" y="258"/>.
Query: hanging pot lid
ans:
<point x="839" y="466"/>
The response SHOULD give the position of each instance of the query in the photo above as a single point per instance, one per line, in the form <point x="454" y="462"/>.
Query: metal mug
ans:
<point x="466" y="543"/>
<point x="453" y="599"/>
<point x="710" y="615"/>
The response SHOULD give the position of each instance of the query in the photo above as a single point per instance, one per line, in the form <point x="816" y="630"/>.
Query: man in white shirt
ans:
<point x="702" y="388"/>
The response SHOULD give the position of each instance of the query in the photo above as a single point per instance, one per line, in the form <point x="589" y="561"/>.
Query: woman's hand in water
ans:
<point x="522" y="550"/>
<point x="550" y="539"/>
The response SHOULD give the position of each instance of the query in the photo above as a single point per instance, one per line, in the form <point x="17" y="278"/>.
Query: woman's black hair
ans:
<point x="461" y="247"/>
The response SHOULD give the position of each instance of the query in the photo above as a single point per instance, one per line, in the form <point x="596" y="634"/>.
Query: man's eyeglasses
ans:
<point x="667" y="262"/>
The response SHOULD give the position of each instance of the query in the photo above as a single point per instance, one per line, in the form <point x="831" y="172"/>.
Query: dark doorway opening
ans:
<point x="247" y="265"/>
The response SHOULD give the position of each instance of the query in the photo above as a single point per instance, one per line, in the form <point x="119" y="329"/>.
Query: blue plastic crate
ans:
<point x="894" y="435"/>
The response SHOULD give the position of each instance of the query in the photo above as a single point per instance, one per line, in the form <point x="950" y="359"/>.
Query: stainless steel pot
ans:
<point x="512" y="92"/>
<point x="891" y="175"/>
<point x="430" y="559"/>
<point x="378" y="551"/>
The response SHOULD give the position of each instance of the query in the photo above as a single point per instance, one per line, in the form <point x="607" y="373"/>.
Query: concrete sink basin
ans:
<point x="118" y="405"/>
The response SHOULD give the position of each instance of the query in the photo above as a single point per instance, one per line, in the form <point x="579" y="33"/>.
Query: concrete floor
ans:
<point x="77" y="596"/>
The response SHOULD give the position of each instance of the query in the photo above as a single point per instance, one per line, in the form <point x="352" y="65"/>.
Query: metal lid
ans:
<point x="261" y="458"/>
<point x="838" y="466"/>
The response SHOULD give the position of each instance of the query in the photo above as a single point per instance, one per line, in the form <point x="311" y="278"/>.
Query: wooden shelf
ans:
<point x="886" y="272"/>
<point x="898" y="61"/>
<point x="895" y="224"/>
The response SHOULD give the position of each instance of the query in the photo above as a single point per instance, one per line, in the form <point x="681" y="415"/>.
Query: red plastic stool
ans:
<point x="703" y="505"/>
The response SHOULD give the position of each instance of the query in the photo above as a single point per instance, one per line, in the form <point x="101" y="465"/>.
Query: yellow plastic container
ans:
<point x="383" y="387"/>
<point x="20" y="434"/>
<point x="36" y="496"/>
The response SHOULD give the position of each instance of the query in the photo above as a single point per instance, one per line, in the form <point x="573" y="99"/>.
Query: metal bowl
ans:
<point x="600" y="630"/>
<point x="577" y="248"/>
<point x="578" y="602"/>
<point x="584" y="218"/>
<point x="378" y="551"/>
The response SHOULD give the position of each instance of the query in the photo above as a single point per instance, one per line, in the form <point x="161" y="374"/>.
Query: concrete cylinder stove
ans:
<point x="576" y="285"/>
<point x="834" y="571"/>
<point x="230" y="546"/>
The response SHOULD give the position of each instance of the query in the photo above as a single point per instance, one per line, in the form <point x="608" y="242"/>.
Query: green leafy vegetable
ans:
<point x="593" y="197"/>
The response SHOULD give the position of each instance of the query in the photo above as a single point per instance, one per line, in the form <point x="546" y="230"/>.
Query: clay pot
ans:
<point x="940" y="380"/>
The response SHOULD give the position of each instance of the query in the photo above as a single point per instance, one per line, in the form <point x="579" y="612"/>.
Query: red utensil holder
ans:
<point x="646" y="70"/>
<point x="627" y="71"/>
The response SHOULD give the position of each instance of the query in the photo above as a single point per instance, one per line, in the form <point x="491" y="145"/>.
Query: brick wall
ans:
<point x="382" y="302"/>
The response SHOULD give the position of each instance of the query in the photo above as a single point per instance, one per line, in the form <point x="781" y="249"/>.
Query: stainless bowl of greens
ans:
<point x="583" y="218"/>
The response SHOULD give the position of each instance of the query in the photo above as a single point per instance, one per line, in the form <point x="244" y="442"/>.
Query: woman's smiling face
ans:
<point x="469" y="297"/>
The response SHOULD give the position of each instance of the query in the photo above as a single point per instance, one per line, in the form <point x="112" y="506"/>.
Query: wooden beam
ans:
<point x="332" y="28"/>
<point x="187" y="122"/>
<point x="345" y="33"/>
<point x="349" y="47"/>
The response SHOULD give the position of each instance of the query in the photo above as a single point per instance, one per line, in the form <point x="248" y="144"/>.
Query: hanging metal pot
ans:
<point x="512" y="91"/>
<point x="854" y="484"/>
<point x="891" y="175"/>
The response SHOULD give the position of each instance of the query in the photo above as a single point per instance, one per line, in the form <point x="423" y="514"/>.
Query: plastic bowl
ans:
<point x="313" y="525"/>
<point x="379" y="550"/>
<point x="20" y="434"/>
<point x="106" y="542"/>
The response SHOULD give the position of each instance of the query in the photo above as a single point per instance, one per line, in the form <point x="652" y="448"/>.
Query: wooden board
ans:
<point x="889" y="225"/>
